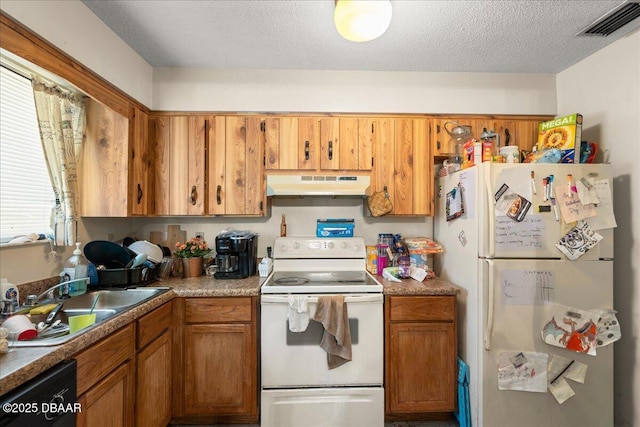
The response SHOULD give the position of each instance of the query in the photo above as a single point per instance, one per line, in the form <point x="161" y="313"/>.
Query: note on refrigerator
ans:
<point x="604" y="217"/>
<point x="523" y="371"/>
<point x="526" y="235"/>
<point x="571" y="207"/>
<point x="527" y="287"/>
<point x="571" y="328"/>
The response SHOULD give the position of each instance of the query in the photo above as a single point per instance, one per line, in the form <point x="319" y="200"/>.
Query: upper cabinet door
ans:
<point x="236" y="160"/>
<point x="140" y="160"/>
<point x="402" y="164"/>
<point x="365" y="143"/>
<point x="179" y="170"/>
<point x="330" y="151"/>
<point x="308" y="143"/>
<point x="216" y="163"/>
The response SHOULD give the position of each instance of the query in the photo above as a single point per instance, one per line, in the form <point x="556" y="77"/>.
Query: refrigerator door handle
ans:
<point x="491" y="228"/>
<point x="488" y="330"/>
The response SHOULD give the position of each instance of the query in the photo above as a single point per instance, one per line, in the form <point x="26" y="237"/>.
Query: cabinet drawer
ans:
<point x="104" y="356"/>
<point x="152" y="325"/>
<point x="218" y="310"/>
<point x="421" y="308"/>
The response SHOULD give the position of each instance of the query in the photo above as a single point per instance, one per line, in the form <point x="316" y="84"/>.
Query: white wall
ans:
<point x="199" y="89"/>
<point x="605" y="88"/>
<point x="73" y="28"/>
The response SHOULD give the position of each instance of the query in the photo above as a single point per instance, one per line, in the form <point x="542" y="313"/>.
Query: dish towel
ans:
<point x="336" y="338"/>
<point x="298" y="314"/>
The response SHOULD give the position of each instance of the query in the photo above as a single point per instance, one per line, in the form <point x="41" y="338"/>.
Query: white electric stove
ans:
<point x="298" y="389"/>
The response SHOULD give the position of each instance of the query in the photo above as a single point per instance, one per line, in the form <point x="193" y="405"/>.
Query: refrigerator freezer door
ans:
<point x="458" y="264"/>
<point x="514" y="315"/>
<point x="535" y="236"/>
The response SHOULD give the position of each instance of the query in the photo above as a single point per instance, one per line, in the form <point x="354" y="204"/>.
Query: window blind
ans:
<point x="26" y="197"/>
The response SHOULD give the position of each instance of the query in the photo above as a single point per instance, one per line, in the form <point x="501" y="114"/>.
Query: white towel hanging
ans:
<point x="298" y="313"/>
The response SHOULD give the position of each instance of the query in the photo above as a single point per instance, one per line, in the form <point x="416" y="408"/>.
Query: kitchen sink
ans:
<point x="110" y="303"/>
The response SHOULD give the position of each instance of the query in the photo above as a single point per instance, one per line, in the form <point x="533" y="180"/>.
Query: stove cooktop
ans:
<point x="306" y="282"/>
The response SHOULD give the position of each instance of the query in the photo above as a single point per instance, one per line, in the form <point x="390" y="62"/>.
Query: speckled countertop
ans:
<point x="23" y="364"/>
<point x="413" y="287"/>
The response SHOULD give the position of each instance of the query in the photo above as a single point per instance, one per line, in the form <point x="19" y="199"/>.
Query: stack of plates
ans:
<point x="153" y="252"/>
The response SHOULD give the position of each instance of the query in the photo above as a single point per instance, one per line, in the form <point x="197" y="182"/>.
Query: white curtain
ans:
<point x="61" y="119"/>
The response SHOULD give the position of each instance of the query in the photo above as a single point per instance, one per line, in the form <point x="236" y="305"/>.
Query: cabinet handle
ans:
<point x="194" y="195"/>
<point x="507" y="136"/>
<point x="330" y="150"/>
<point x="437" y="144"/>
<point x="139" y="193"/>
<point x="306" y="150"/>
<point x="218" y="199"/>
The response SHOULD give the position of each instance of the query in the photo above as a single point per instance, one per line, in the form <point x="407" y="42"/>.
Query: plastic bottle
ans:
<point x="9" y="291"/>
<point x="76" y="267"/>
<point x="404" y="266"/>
<point x="283" y="227"/>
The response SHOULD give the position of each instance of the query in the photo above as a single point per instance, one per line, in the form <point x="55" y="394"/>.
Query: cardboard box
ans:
<point x="335" y="227"/>
<point x="563" y="133"/>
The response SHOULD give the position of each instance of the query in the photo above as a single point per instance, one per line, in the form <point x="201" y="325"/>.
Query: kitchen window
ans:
<point x="26" y="196"/>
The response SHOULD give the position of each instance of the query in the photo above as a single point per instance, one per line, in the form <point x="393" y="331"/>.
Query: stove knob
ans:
<point x="330" y="245"/>
<point x="344" y="245"/>
<point x="283" y="248"/>
<point x="356" y="247"/>
<point x="296" y="245"/>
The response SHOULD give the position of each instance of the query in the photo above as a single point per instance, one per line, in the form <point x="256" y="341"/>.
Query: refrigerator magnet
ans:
<point x="455" y="203"/>
<point x="511" y="203"/>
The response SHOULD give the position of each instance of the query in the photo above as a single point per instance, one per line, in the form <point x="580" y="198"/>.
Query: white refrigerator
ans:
<point x="486" y="251"/>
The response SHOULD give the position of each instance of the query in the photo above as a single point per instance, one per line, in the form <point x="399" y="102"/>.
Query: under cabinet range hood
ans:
<point x="318" y="185"/>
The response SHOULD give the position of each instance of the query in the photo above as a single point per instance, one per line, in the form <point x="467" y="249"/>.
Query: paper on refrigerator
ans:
<point x="523" y="371"/>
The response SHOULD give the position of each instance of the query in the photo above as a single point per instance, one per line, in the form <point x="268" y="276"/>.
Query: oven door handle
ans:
<point x="312" y="299"/>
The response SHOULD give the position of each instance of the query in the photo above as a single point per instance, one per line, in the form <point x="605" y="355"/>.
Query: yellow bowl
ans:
<point x="77" y="323"/>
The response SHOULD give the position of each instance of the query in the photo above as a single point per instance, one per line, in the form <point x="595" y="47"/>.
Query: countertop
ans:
<point x="23" y="364"/>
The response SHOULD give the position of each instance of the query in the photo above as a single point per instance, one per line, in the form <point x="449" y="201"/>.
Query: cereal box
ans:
<point x="564" y="133"/>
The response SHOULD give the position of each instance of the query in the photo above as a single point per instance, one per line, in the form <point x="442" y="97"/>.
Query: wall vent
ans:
<point x="613" y="20"/>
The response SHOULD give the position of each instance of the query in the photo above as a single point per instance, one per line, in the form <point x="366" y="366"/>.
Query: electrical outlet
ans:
<point x="200" y="234"/>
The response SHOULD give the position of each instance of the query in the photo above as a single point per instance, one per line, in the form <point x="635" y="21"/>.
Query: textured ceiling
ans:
<point x="449" y="36"/>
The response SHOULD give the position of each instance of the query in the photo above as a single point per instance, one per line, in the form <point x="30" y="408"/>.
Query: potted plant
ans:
<point x="192" y="253"/>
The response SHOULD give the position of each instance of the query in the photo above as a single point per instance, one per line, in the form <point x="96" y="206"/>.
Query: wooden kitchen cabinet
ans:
<point x="104" y="163"/>
<point x="140" y="194"/>
<point x="402" y="164"/>
<point x="179" y="164"/>
<point x="440" y="138"/>
<point x="420" y="356"/>
<point x="216" y="360"/>
<point x="153" y="402"/>
<point x="320" y="144"/>
<point x="235" y="164"/>
<point x="106" y="377"/>
<point x="513" y="130"/>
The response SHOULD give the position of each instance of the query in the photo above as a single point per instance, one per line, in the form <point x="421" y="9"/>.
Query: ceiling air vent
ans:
<point x="614" y="20"/>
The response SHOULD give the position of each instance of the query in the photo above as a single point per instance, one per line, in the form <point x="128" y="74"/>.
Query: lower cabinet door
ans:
<point x="109" y="402"/>
<point x="220" y="369"/>
<point x="421" y="370"/>
<point x="153" y="383"/>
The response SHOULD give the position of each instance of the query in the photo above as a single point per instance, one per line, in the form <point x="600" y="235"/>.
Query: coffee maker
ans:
<point x="236" y="253"/>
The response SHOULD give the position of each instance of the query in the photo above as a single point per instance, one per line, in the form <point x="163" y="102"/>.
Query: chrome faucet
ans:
<point x="63" y="292"/>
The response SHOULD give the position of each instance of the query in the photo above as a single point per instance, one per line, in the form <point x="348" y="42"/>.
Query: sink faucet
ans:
<point x="63" y="291"/>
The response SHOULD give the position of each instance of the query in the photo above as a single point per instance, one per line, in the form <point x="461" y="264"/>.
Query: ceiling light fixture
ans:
<point x="362" y="20"/>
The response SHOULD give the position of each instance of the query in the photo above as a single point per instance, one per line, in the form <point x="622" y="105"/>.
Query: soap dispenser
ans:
<point x="76" y="267"/>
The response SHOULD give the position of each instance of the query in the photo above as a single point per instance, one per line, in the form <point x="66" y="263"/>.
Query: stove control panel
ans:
<point x="315" y="247"/>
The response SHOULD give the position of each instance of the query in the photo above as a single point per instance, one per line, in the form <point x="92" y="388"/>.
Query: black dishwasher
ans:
<point x="47" y="400"/>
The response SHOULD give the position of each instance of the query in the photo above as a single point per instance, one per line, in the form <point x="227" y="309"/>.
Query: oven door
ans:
<point x="295" y="359"/>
